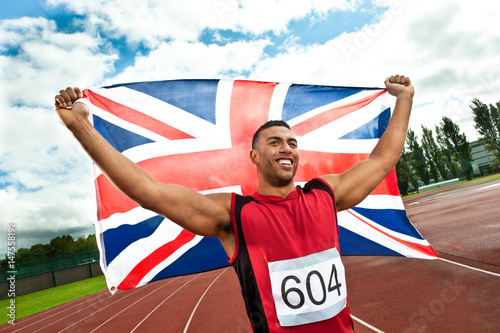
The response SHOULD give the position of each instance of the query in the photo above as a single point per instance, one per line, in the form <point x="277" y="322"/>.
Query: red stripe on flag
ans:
<point x="328" y="116"/>
<point x="225" y="167"/>
<point x="221" y="168"/>
<point x="389" y="186"/>
<point x="110" y="200"/>
<point x="250" y="103"/>
<point x="135" y="117"/>
<point x="315" y="164"/>
<point x="423" y="249"/>
<point x="154" y="259"/>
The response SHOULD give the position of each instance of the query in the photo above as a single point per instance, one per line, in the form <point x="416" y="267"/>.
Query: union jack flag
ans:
<point x="197" y="133"/>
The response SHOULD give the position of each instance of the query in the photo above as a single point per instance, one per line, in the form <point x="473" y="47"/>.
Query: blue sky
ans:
<point x="449" y="49"/>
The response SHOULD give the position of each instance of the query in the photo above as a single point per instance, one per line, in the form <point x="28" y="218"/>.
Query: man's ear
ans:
<point x="254" y="156"/>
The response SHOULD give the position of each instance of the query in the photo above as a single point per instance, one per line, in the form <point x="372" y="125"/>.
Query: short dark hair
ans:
<point x="270" y="123"/>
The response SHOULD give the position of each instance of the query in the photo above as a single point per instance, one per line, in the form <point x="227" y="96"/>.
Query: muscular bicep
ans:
<point x="205" y="215"/>
<point x="354" y="185"/>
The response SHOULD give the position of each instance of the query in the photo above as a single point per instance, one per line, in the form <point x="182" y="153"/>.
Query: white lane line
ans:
<point x="487" y="187"/>
<point x="72" y="314"/>
<point x="470" y="267"/>
<point x="140" y="299"/>
<point x="58" y="309"/>
<point x="199" y="301"/>
<point x="58" y="313"/>
<point x="366" y="324"/>
<point x="163" y="302"/>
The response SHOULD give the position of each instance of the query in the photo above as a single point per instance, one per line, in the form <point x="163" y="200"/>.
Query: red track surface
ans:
<point x="391" y="294"/>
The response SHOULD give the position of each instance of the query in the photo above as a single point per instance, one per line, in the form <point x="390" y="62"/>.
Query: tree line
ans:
<point x="57" y="246"/>
<point x="445" y="153"/>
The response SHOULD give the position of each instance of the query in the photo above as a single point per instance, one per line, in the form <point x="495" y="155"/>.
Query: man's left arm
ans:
<point x="355" y="184"/>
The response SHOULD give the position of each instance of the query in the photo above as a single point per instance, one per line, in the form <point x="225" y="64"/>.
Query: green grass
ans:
<point x="484" y="179"/>
<point x="45" y="299"/>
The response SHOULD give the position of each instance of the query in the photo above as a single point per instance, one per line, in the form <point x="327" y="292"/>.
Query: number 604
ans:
<point x="333" y="284"/>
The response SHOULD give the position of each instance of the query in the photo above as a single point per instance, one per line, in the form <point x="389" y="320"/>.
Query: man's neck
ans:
<point x="281" y="191"/>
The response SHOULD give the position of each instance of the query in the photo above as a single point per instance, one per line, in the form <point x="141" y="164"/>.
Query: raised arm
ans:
<point x="354" y="185"/>
<point x="206" y="215"/>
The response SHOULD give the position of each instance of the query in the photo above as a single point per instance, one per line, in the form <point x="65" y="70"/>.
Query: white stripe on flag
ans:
<point x="126" y="125"/>
<point x="336" y="104"/>
<point x="381" y="201"/>
<point x="138" y="214"/>
<point x="352" y="223"/>
<point x="277" y="101"/>
<point x="169" y="260"/>
<point x="158" y="109"/>
<point x="134" y="216"/>
<point x="327" y="137"/>
<point x="209" y="137"/>
<point x="123" y="264"/>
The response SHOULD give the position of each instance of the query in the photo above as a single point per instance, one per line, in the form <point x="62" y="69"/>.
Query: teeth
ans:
<point x="285" y="162"/>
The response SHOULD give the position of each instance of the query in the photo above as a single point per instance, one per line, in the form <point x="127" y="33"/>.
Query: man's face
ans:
<point x="276" y="155"/>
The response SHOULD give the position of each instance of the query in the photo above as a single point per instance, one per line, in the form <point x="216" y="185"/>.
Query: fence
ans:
<point x="51" y="271"/>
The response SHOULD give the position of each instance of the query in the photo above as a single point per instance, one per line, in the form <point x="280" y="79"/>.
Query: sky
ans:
<point x="448" y="48"/>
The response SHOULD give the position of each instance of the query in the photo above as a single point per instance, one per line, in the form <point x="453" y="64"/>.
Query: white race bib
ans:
<point x="308" y="289"/>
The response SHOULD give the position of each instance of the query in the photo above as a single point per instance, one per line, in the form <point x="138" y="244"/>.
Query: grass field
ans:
<point x="45" y="299"/>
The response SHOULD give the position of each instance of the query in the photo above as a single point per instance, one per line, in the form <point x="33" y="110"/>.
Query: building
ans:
<point x="482" y="159"/>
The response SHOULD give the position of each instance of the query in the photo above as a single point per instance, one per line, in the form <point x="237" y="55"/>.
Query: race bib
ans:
<point x="308" y="289"/>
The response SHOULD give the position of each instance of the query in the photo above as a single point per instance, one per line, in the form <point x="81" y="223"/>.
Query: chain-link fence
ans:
<point x="51" y="263"/>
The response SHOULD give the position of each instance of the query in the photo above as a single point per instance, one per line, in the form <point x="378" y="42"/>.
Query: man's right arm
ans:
<point x="206" y="215"/>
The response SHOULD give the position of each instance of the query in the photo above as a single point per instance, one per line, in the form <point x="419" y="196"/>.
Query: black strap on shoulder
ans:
<point x="244" y="270"/>
<point x="318" y="184"/>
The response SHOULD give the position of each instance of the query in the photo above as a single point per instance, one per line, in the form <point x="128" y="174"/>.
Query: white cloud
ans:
<point x="46" y="60"/>
<point x="42" y="215"/>
<point x="46" y="183"/>
<point x="181" y="60"/>
<point x="45" y="176"/>
<point x="154" y="21"/>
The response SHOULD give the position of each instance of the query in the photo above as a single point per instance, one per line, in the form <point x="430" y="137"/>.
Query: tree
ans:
<point x="92" y="242"/>
<point x="433" y="171"/>
<point x="458" y="145"/>
<point x="433" y="154"/>
<point x="40" y="251"/>
<point x="403" y="173"/>
<point x="417" y="158"/>
<point x="446" y="153"/>
<point x="61" y="245"/>
<point x="487" y="125"/>
<point x="495" y="115"/>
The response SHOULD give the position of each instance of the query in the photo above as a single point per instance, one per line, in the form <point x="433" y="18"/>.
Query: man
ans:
<point x="283" y="240"/>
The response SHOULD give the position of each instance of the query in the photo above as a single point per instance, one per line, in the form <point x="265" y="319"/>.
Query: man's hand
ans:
<point x="398" y="84"/>
<point x="68" y="112"/>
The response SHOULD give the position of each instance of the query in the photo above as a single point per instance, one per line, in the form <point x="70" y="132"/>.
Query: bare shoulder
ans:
<point x="332" y="180"/>
<point x="224" y="225"/>
<point x="335" y="182"/>
<point x="222" y="199"/>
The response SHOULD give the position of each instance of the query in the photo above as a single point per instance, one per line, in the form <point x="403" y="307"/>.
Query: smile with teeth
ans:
<point x="284" y="162"/>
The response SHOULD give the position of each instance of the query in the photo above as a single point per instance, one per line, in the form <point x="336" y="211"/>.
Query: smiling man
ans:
<point x="283" y="240"/>
<point x="275" y="142"/>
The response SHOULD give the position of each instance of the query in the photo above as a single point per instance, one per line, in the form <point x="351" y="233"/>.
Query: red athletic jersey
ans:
<point x="271" y="232"/>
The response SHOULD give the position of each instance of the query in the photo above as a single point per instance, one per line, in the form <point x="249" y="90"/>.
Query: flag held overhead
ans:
<point x="197" y="133"/>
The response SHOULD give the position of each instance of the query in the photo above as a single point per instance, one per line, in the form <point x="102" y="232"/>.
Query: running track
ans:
<point x="387" y="294"/>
